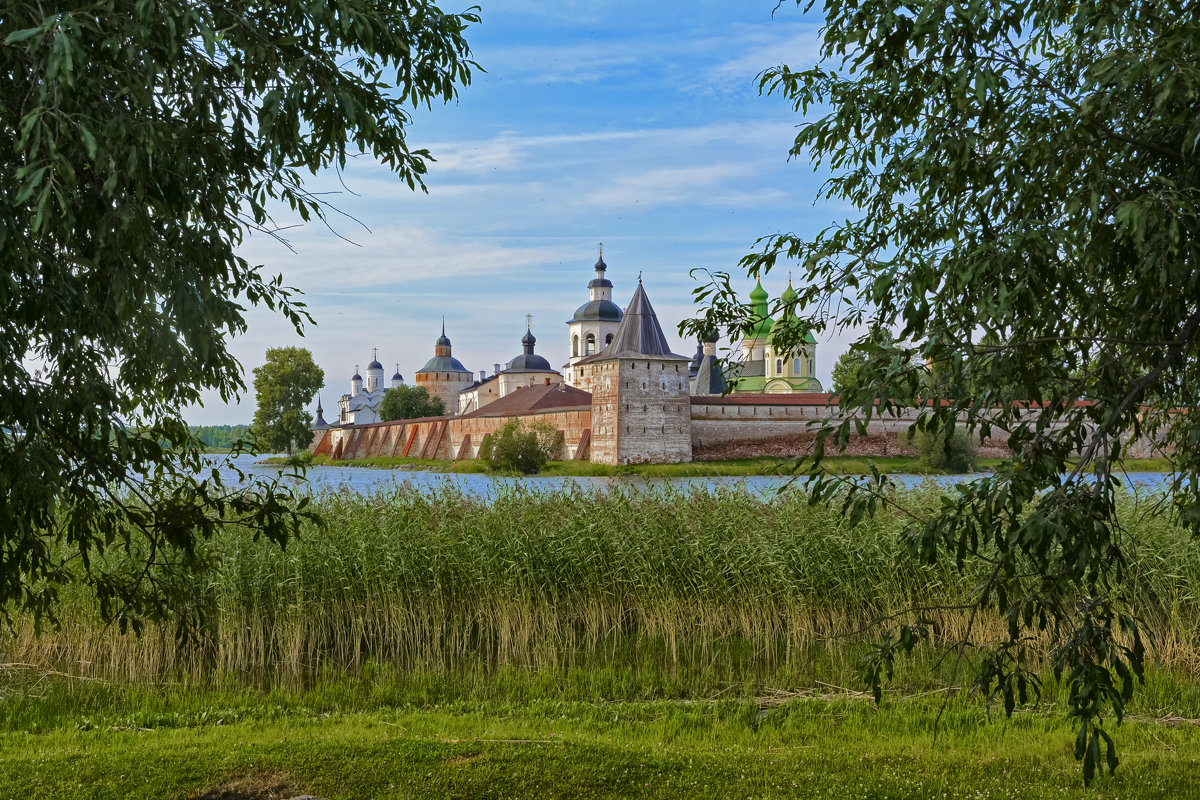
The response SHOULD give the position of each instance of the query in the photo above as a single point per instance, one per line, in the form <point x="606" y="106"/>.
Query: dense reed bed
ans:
<point x="442" y="582"/>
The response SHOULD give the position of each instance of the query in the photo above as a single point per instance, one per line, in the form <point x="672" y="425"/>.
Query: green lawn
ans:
<point x="773" y="747"/>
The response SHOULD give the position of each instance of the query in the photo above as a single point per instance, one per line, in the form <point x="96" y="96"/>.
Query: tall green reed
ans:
<point x="441" y="581"/>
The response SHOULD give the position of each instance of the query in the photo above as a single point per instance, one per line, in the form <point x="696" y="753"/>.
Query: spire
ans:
<point x="600" y="265"/>
<point x="320" y="421"/>
<point x="639" y="332"/>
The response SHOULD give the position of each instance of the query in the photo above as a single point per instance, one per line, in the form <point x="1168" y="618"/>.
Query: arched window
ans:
<point x="608" y="340"/>
<point x="812" y="366"/>
<point x="779" y="366"/>
<point x="590" y="346"/>
<point x="796" y="368"/>
<point x="575" y="345"/>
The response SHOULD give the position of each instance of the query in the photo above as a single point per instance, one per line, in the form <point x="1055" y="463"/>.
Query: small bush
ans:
<point x="959" y="454"/>
<point x="519" y="448"/>
<point x="301" y="458"/>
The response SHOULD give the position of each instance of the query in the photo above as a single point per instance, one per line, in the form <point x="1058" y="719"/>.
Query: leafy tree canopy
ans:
<point x="410" y="402"/>
<point x="519" y="447"/>
<point x="219" y="436"/>
<point x="1027" y="171"/>
<point x="283" y="386"/>
<point x="139" y="143"/>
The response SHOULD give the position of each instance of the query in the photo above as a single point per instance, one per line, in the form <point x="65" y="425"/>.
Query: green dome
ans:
<point x="789" y="298"/>
<point x="762" y="328"/>
<point x="760" y="312"/>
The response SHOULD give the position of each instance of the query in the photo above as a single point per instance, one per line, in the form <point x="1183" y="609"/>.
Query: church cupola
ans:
<point x="397" y="378"/>
<point x="595" y="322"/>
<point x="356" y="383"/>
<point x="374" y="372"/>
<point x="442" y="346"/>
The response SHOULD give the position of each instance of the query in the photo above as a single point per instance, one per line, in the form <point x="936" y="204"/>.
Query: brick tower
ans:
<point x="641" y="403"/>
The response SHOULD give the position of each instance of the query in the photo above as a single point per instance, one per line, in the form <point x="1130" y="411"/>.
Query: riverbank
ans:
<point x="739" y="467"/>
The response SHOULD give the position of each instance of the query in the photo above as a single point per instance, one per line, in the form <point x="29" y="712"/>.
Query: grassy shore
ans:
<point x="837" y="465"/>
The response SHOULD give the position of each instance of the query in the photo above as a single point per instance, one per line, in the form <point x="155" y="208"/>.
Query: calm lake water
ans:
<point x="372" y="481"/>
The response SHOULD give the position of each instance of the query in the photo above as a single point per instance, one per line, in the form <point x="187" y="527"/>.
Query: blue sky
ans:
<point x="634" y="124"/>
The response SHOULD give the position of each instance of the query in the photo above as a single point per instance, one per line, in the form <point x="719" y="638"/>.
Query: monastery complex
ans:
<point x="622" y="398"/>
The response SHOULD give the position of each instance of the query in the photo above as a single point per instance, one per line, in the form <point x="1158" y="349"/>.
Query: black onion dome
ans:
<point x="600" y="280"/>
<point x="528" y="339"/>
<point x="603" y="310"/>
<point x="396" y="376"/>
<point x="529" y="362"/>
<point x="442" y="341"/>
<point x="713" y="337"/>
<point x="356" y="377"/>
<point x="374" y="365"/>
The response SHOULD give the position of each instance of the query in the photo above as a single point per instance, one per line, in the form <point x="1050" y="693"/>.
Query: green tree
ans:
<point x="410" y="402"/>
<point x="517" y="447"/>
<point x="140" y="143"/>
<point x="845" y="370"/>
<point x="1026" y="171"/>
<point x="848" y="364"/>
<point x="283" y="387"/>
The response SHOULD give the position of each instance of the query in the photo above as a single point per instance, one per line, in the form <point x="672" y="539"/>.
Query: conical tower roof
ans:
<point x="639" y="333"/>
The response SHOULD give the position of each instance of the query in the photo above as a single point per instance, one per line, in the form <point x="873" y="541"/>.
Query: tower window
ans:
<point x="796" y="368"/>
<point x="608" y="340"/>
<point x="575" y="345"/>
<point x="779" y="366"/>
<point x="590" y="345"/>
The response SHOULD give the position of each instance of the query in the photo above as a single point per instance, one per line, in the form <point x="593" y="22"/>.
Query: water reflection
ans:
<point x="371" y="481"/>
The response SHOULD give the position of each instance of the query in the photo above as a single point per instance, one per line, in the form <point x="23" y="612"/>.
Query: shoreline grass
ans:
<point x="766" y="465"/>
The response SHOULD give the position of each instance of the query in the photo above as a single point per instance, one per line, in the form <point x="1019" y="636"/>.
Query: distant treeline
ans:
<point x="220" y="436"/>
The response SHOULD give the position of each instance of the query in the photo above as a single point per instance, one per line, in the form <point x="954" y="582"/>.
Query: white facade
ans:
<point x="361" y="405"/>
<point x="592" y="327"/>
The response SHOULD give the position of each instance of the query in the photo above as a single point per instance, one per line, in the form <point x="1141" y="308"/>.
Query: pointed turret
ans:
<point x="639" y="333"/>
<point x="320" y="424"/>
<point x="709" y="378"/>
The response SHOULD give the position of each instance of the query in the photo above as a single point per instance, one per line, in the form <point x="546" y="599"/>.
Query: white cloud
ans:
<point x="666" y="186"/>
<point x="797" y="45"/>
<point x="395" y="255"/>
